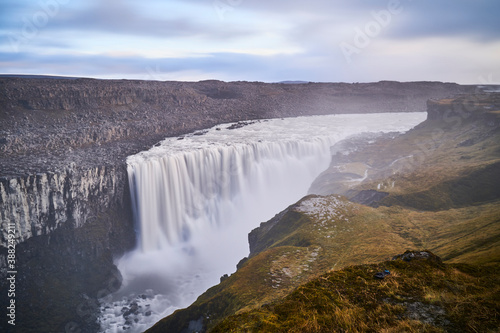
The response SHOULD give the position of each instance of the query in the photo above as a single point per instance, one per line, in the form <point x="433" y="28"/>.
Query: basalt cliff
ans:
<point x="63" y="182"/>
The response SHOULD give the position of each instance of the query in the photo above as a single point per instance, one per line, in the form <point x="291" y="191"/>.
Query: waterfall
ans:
<point x="195" y="199"/>
<point x="179" y="194"/>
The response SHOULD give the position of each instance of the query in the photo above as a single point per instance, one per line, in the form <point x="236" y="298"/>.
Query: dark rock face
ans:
<point x="255" y="236"/>
<point x="39" y="204"/>
<point x="69" y="226"/>
<point x="63" y="270"/>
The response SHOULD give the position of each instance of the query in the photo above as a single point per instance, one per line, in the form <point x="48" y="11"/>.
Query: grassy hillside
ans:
<point x="434" y="188"/>
<point x="420" y="295"/>
<point x="341" y="235"/>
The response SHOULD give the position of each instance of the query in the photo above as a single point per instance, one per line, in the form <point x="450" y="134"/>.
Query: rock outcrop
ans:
<point x="69" y="228"/>
<point x="38" y="204"/>
<point x="462" y="107"/>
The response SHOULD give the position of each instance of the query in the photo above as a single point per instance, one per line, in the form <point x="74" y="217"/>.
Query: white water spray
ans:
<point x="196" y="198"/>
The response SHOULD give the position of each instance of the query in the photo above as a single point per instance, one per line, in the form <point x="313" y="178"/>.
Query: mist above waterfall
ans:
<point x="196" y="198"/>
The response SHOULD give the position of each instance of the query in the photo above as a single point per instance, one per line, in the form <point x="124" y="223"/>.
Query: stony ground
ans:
<point x="46" y="124"/>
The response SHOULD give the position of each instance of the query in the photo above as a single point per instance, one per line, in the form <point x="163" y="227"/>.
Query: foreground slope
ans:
<point x="420" y="294"/>
<point x="322" y="234"/>
<point x="435" y="187"/>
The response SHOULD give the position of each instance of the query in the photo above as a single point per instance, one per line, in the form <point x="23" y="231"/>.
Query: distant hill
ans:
<point x="294" y="82"/>
<point x="28" y="76"/>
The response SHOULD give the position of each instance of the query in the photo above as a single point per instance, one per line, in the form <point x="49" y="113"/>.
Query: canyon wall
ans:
<point x="45" y="124"/>
<point x="40" y="203"/>
<point x="50" y="125"/>
<point x="63" y="184"/>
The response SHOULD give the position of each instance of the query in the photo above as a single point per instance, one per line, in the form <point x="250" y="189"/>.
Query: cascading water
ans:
<point x="196" y="198"/>
<point x="182" y="194"/>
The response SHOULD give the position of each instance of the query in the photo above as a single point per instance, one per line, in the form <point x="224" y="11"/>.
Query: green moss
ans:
<point x="281" y="233"/>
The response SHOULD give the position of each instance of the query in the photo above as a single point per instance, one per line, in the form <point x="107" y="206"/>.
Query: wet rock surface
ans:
<point x="38" y="204"/>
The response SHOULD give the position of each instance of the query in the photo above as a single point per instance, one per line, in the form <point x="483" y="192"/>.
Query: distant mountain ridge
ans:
<point x="294" y="82"/>
<point x="36" y="76"/>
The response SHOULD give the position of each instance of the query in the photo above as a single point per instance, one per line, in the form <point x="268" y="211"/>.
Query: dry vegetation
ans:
<point x="422" y="295"/>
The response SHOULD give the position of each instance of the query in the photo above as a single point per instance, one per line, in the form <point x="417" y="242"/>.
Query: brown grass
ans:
<point x="462" y="298"/>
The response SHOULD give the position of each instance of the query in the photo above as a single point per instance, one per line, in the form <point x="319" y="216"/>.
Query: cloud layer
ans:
<point x="316" y="40"/>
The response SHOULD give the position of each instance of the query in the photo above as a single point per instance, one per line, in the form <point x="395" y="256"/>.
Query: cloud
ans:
<point x="385" y="61"/>
<point x="471" y="19"/>
<point x="418" y="19"/>
<point x="7" y="10"/>
<point x="125" y="18"/>
<point x="254" y="40"/>
<point x="224" y="66"/>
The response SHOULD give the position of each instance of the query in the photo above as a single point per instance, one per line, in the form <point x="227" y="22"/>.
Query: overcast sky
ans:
<point x="254" y="40"/>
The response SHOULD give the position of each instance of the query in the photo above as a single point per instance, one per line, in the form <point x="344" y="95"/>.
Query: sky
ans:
<point x="254" y="40"/>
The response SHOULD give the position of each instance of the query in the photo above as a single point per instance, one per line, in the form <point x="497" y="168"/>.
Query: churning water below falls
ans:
<point x="197" y="197"/>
